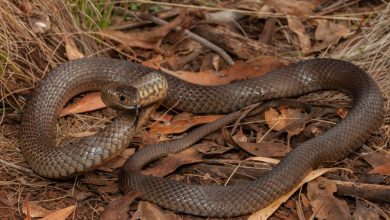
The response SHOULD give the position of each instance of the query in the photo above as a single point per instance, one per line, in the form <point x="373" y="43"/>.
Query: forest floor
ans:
<point x="224" y="41"/>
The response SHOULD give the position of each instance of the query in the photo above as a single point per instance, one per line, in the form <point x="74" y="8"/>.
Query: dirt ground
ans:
<point x="224" y="41"/>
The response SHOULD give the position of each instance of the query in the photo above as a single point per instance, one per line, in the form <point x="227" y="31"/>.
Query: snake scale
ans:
<point x="69" y="79"/>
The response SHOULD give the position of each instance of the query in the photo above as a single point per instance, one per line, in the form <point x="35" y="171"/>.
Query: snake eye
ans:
<point x="122" y="98"/>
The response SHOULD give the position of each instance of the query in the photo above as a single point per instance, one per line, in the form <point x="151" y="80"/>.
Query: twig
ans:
<point x="20" y="168"/>
<point x="194" y="36"/>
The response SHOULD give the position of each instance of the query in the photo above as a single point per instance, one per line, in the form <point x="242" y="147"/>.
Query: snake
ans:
<point x="38" y="131"/>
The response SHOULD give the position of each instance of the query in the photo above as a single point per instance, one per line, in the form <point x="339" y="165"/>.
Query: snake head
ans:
<point x="122" y="97"/>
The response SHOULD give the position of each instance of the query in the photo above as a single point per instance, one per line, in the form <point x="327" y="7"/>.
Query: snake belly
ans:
<point x="69" y="79"/>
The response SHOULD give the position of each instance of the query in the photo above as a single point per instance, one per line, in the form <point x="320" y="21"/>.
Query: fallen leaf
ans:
<point x="365" y="210"/>
<point x="80" y="195"/>
<point x="173" y="161"/>
<point x="81" y="134"/>
<point x="239" y="71"/>
<point x="382" y="170"/>
<point x="72" y="52"/>
<point x="118" y="161"/>
<point x="324" y="204"/>
<point x="292" y="7"/>
<point x="338" y="30"/>
<point x="146" y="39"/>
<point x="379" y="160"/>
<point x="33" y="210"/>
<point x="296" y="26"/>
<point x="149" y="211"/>
<point x="181" y="125"/>
<point x="61" y="214"/>
<point x="154" y="63"/>
<point x="266" y="212"/>
<point x="279" y="120"/>
<point x="265" y="149"/>
<point x="118" y="209"/>
<point x="90" y="102"/>
<point x="211" y="148"/>
<point x="261" y="149"/>
<point x="163" y="117"/>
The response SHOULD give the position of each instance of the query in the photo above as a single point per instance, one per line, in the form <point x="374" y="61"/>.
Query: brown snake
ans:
<point x="75" y="77"/>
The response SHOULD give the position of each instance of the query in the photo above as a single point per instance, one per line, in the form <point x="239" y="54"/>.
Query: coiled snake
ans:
<point x="69" y="79"/>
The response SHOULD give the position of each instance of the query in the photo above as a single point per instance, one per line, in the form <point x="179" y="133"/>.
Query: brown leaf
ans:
<point x="337" y="30"/>
<point x="292" y="7"/>
<point x="324" y="204"/>
<point x="265" y="149"/>
<point x="181" y="125"/>
<point x="118" y="161"/>
<point x="278" y="120"/>
<point x="266" y="212"/>
<point x="90" y="102"/>
<point x="33" y="210"/>
<point x="379" y="160"/>
<point x="296" y="25"/>
<point x="173" y="161"/>
<point x="261" y="149"/>
<point x="72" y="52"/>
<point x="365" y="210"/>
<point x="81" y="134"/>
<point x="239" y="71"/>
<point x="117" y="209"/>
<point x="145" y="39"/>
<point x="149" y="211"/>
<point x="154" y="63"/>
<point x="61" y="214"/>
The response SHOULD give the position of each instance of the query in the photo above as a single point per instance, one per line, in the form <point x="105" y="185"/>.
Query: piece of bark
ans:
<point x="371" y="192"/>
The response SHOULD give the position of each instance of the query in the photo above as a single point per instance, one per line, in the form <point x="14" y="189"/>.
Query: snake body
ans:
<point x="74" y="77"/>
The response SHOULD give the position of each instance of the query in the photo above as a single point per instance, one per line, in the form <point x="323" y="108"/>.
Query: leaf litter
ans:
<point x="300" y="27"/>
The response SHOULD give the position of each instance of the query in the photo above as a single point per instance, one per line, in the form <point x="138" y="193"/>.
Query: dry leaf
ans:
<point x="239" y="71"/>
<point x="118" y="161"/>
<point x="324" y="204"/>
<point x="145" y="39"/>
<point x="265" y="149"/>
<point x="292" y="7"/>
<point x="61" y="214"/>
<point x="379" y="160"/>
<point x="266" y="212"/>
<point x="365" y="210"/>
<point x="260" y="149"/>
<point x="81" y="134"/>
<point x="33" y="210"/>
<point x="149" y="211"/>
<point x="322" y="34"/>
<point x="154" y="63"/>
<point x="72" y="52"/>
<point x="181" y="125"/>
<point x="117" y="209"/>
<point x="337" y="30"/>
<point x="90" y="102"/>
<point x="279" y="120"/>
<point x="296" y="25"/>
<point x="169" y="164"/>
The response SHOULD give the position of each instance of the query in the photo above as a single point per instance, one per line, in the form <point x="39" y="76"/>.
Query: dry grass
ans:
<point x="25" y="57"/>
